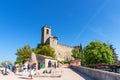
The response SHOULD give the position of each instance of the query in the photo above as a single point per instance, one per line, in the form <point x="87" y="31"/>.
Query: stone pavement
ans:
<point x="67" y="74"/>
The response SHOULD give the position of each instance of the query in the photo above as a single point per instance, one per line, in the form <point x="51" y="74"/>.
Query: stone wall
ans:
<point x="63" y="52"/>
<point x="97" y="74"/>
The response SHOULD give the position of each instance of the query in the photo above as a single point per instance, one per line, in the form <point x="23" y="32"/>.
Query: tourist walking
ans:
<point x="14" y="69"/>
<point x="25" y="67"/>
<point x="32" y="70"/>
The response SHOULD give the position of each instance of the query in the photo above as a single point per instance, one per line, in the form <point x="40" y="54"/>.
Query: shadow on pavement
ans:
<point x="23" y="78"/>
<point x="86" y="77"/>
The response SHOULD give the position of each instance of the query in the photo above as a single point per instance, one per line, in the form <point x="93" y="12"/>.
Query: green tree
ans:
<point x="76" y="54"/>
<point x="23" y="54"/>
<point x="45" y="50"/>
<point x="115" y="55"/>
<point x="97" y="52"/>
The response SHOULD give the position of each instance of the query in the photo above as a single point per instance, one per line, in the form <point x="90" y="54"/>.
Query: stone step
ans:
<point x="48" y="72"/>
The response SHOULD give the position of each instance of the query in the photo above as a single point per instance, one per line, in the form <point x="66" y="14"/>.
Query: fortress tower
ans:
<point x="46" y="34"/>
<point x="62" y="52"/>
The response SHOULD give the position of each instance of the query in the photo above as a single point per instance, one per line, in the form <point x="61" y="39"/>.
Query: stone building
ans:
<point x="45" y="60"/>
<point x="62" y="52"/>
<point x="42" y="61"/>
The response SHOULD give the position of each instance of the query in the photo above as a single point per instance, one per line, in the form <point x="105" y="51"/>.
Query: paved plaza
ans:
<point x="67" y="74"/>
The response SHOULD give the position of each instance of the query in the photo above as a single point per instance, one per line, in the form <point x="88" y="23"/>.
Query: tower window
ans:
<point x="47" y="31"/>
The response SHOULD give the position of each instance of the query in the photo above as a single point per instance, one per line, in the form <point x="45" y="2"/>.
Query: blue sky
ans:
<point x="73" y="21"/>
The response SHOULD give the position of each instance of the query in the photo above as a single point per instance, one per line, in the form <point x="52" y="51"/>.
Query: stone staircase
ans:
<point x="48" y="72"/>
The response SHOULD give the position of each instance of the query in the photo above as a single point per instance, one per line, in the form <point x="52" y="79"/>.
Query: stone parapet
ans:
<point x="97" y="74"/>
<point x="65" y="45"/>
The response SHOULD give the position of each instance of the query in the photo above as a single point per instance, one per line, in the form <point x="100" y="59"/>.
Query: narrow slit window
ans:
<point x="47" y="31"/>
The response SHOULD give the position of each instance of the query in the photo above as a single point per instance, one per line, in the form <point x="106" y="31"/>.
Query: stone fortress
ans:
<point x="62" y="52"/>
